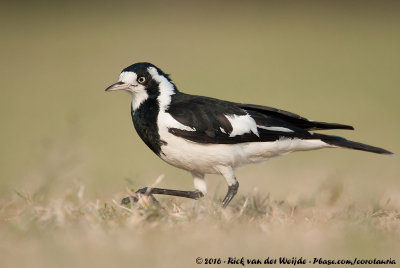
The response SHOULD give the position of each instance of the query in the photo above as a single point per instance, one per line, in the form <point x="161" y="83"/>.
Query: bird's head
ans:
<point x="144" y="81"/>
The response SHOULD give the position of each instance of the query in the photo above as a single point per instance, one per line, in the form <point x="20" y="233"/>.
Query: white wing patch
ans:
<point x="242" y="124"/>
<point x="282" y="129"/>
<point x="169" y="122"/>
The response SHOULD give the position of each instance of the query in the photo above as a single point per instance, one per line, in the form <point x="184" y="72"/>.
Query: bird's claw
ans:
<point x="137" y="195"/>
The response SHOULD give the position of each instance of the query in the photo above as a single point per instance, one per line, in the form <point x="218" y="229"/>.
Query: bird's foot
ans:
<point x="150" y="191"/>
<point x="232" y="190"/>
<point x="130" y="200"/>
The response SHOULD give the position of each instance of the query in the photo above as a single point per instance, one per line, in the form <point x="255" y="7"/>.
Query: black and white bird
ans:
<point x="209" y="136"/>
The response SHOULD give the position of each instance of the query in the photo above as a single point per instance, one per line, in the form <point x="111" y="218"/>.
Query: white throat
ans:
<point x="137" y="91"/>
<point x="138" y="97"/>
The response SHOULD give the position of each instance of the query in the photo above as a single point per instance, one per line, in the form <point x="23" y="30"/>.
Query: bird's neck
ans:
<point x="166" y="90"/>
<point x="144" y="119"/>
<point x="138" y="98"/>
<point x="145" y="110"/>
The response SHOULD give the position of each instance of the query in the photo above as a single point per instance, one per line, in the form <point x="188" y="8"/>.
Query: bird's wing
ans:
<point x="295" y="119"/>
<point x="209" y="120"/>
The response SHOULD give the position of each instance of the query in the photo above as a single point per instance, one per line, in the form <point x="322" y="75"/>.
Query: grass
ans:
<point x="74" y="231"/>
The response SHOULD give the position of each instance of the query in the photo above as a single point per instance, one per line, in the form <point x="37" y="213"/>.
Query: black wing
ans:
<point x="208" y="117"/>
<point x="295" y="119"/>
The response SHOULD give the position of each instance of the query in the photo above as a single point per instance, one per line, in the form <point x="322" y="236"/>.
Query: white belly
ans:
<point x="207" y="158"/>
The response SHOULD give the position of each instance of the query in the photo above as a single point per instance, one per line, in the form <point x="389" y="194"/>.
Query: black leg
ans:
<point x="150" y="191"/>
<point x="232" y="190"/>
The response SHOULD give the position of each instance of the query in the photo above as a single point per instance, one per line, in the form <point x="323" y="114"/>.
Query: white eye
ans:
<point x="141" y="79"/>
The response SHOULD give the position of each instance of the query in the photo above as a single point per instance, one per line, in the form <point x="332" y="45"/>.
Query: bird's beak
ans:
<point x="118" y="86"/>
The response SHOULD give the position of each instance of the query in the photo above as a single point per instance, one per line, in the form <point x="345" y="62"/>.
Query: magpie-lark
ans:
<point x="209" y="136"/>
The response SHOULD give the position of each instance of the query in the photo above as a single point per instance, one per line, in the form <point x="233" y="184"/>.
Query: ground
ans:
<point x="74" y="231"/>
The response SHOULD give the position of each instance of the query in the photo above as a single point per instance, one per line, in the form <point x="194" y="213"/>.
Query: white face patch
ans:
<point x="138" y="91"/>
<point x="242" y="124"/>
<point x="128" y="78"/>
<point x="282" y="129"/>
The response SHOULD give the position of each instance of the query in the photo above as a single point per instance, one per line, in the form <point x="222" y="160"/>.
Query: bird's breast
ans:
<point x="145" y="122"/>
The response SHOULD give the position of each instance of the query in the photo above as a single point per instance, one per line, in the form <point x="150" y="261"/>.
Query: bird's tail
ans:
<point x="344" y="143"/>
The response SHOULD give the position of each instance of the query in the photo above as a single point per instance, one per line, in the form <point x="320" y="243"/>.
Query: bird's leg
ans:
<point x="233" y="184"/>
<point x="150" y="191"/>
<point x="232" y="190"/>
<point x="188" y="194"/>
<point x="199" y="182"/>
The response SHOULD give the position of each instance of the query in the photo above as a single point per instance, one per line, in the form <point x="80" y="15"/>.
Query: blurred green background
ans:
<point x="335" y="61"/>
<point x="60" y="133"/>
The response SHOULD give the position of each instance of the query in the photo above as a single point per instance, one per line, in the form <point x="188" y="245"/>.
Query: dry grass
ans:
<point x="72" y="231"/>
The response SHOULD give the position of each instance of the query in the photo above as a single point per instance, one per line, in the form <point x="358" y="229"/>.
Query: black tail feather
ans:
<point x="342" y="142"/>
<point x="314" y="125"/>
